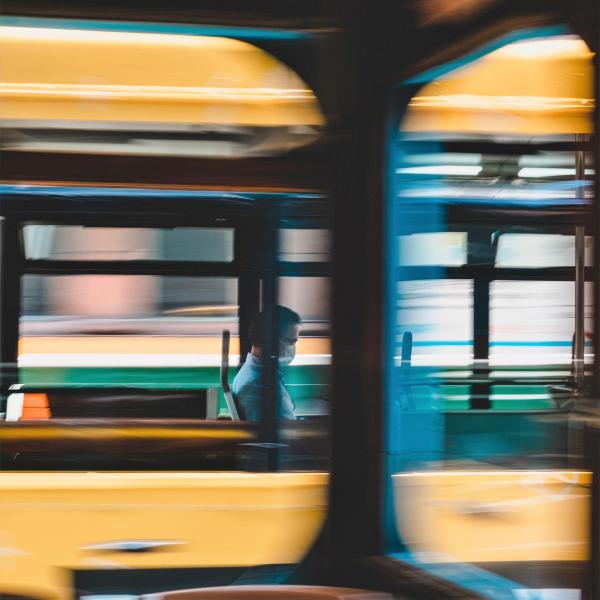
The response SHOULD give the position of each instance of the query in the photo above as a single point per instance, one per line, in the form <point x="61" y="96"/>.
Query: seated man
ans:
<point x="248" y="384"/>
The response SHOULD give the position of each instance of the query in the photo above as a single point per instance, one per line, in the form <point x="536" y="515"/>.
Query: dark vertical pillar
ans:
<point x="249" y="282"/>
<point x="10" y="297"/>
<point x="356" y="65"/>
<point x="270" y="402"/>
<point x="479" y="254"/>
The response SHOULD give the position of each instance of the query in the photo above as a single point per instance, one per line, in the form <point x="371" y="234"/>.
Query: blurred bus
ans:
<point x="123" y="285"/>
<point x="119" y="297"/>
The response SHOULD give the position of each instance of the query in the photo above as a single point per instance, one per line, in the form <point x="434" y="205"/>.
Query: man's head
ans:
<point x="288" y="323"/>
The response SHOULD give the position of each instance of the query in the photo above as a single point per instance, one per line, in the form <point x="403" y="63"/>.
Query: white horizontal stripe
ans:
<point x="510" y="359"/>
<point x="520" y="396"/>
<point x="534" y="476"/>
<point x="441" y="170"/>
<point x="547" y="594"/>
<point x="148" y="360"/>
<point x="549" y="172"/>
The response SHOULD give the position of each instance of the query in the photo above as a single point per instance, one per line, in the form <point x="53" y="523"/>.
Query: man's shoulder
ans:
<point x="246" y="376"/>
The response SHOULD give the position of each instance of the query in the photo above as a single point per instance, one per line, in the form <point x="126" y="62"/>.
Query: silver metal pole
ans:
<point x="579" y="341"/>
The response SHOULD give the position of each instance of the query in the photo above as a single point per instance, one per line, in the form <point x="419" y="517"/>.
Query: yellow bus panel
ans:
<point x="54" y="523"/>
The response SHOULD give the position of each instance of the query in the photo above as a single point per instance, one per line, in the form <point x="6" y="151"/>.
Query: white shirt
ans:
<point x="248" y="387"/>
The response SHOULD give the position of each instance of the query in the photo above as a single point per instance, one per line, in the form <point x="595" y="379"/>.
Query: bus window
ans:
<point x="532" y="322"/>
<point x="309" y="297"/>
<point x="438" y="313"/>
<point x="540" y="250"/>
<point x="128" y="305"/>
<point x="445" y="248"/>
<point x="304" y="245"/>
<point x="308" y="374"/>
<point x="488" y="285"/>
<point x="71" y="242"/>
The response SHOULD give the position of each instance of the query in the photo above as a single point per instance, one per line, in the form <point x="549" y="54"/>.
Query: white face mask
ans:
<point x="289" y="353"/>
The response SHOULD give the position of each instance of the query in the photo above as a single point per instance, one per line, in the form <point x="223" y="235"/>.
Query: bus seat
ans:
<point x="107" y="402"/>
<point x="27" y="407"/>
<point x="14" y="406"/>
<point x="35" y="406"/>
<point x="230" y="399"/>
<point x="127" y="403"/>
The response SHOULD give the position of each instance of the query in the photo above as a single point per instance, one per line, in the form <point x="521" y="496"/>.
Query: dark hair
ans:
<point x="259" y="324"/>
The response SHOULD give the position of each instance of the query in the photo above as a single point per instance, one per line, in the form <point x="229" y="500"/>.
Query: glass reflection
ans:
<point x="488" y="487"/>
<point x="119" y="404"/>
